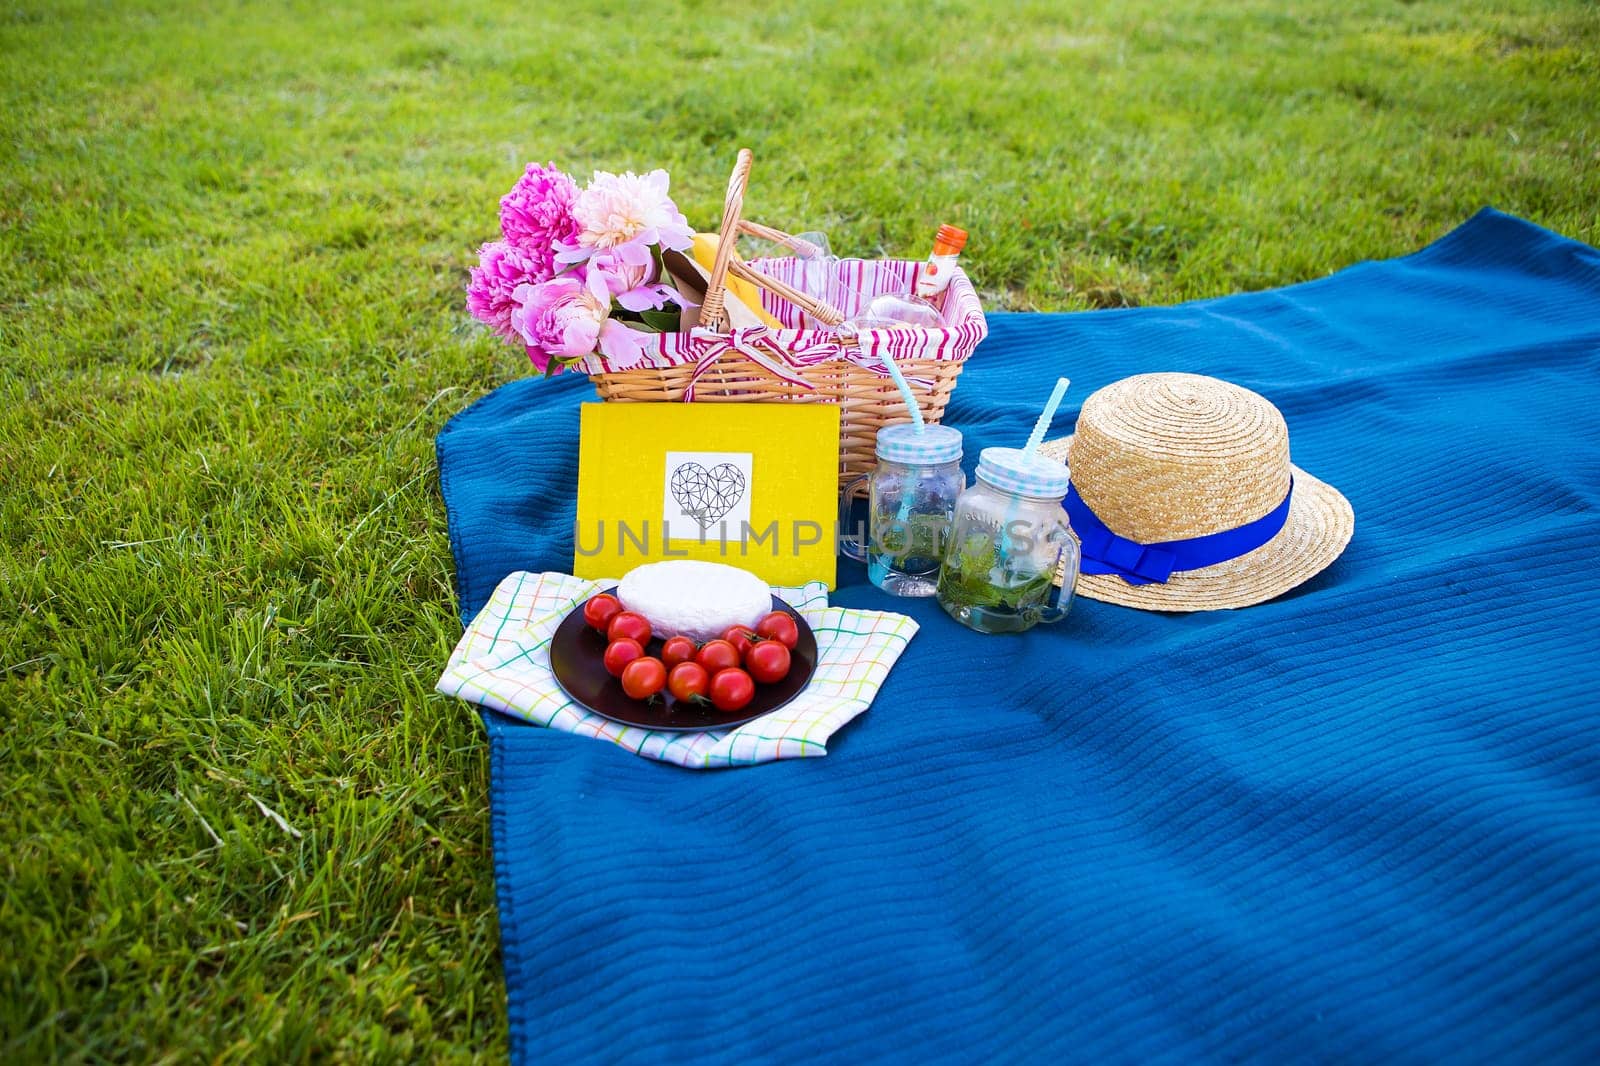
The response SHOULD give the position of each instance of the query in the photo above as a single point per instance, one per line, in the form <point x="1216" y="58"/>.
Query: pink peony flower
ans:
<point x="632" y="286"/>
<point x="500" y="270"/>
<point x="627" y="214"/>
<point x="536" y="215"/>
<point x="567" y="318"/>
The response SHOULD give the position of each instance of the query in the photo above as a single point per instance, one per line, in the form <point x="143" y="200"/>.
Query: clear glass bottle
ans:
<point x="1009" y="539"/>
<point x="911" y="496"/>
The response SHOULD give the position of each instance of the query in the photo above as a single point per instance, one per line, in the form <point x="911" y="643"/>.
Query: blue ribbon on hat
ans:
<point x="1144" y="564"/>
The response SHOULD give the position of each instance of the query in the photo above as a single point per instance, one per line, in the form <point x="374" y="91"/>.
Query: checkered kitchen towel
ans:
<point x="503" y="663"/>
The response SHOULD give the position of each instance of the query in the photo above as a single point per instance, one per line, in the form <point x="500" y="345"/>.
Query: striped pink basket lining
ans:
<point x="964" y="326"/>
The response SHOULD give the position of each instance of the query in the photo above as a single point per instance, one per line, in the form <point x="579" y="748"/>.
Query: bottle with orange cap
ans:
<point x="941" y="265"/>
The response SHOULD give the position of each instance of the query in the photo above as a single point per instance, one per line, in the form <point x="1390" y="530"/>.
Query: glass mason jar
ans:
<point x="1009" y="538"/>
<point x="911" y="496"/>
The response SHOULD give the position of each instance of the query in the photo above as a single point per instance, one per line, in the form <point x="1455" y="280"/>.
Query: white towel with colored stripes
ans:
<point x="503" y="663"/>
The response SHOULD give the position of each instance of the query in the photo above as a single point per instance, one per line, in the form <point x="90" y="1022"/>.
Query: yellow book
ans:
<point x="753" y="485"/>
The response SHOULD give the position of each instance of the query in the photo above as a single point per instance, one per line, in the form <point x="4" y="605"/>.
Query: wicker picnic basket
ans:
<point x="717" y="364"/>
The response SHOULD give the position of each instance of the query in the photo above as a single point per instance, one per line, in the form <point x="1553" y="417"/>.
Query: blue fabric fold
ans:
<point x="1360" y="822"/>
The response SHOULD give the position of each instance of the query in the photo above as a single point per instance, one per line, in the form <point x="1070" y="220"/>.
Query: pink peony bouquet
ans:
<point x="579" y="270"/>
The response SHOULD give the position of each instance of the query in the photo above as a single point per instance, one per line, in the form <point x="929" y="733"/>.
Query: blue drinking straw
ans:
<point x="1036" y="438"/>
<point x="905" y="391"/>
<point x="904" y="514"/>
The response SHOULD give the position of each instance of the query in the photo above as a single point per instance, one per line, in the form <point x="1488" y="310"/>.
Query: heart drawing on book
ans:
<point x="707" y="495"/>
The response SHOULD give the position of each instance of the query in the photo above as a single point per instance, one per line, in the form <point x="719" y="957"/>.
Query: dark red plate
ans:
<point x="576" y="652"/>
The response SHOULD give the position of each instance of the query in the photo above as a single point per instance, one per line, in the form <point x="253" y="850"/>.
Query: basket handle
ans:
<point x="712" y="312"/>
<point x="777" y="236"/>
<point x="818" y="309"/>
<point x="712" y="315"/>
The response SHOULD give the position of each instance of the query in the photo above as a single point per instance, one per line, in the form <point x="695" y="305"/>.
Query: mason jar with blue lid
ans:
<point x="1009" y="539"/>
<point x="911" y="496"/>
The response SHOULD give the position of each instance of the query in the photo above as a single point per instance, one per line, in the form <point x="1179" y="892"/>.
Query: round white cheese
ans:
<point x="698" y="600"/>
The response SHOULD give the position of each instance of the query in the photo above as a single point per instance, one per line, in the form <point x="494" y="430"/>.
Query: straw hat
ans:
<point x="1162" y="458"/>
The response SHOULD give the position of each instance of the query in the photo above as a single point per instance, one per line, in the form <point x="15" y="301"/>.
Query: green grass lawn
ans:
<point x="235" y="823"/>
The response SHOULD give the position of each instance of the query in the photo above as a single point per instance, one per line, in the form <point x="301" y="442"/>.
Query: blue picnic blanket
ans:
<point x="1358" y="823"/>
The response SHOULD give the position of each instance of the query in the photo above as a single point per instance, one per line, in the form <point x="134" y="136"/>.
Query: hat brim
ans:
<point x="1319" y="526"/>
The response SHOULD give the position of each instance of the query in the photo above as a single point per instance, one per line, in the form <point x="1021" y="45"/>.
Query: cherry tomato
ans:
<point x="780" y="627"/>
<point x="732" y="689"/>
<point x="741" y="637"/>
<point x="677" y="650"/>
<point x="644" y="677"/>
<point x="689" y="682"/>
<point x="630" y="625"/>
<point x="599" y="610"/>
<point x="767" y="661"/>
<point x="619" y="653"/>
<point x="717" y="655"/>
